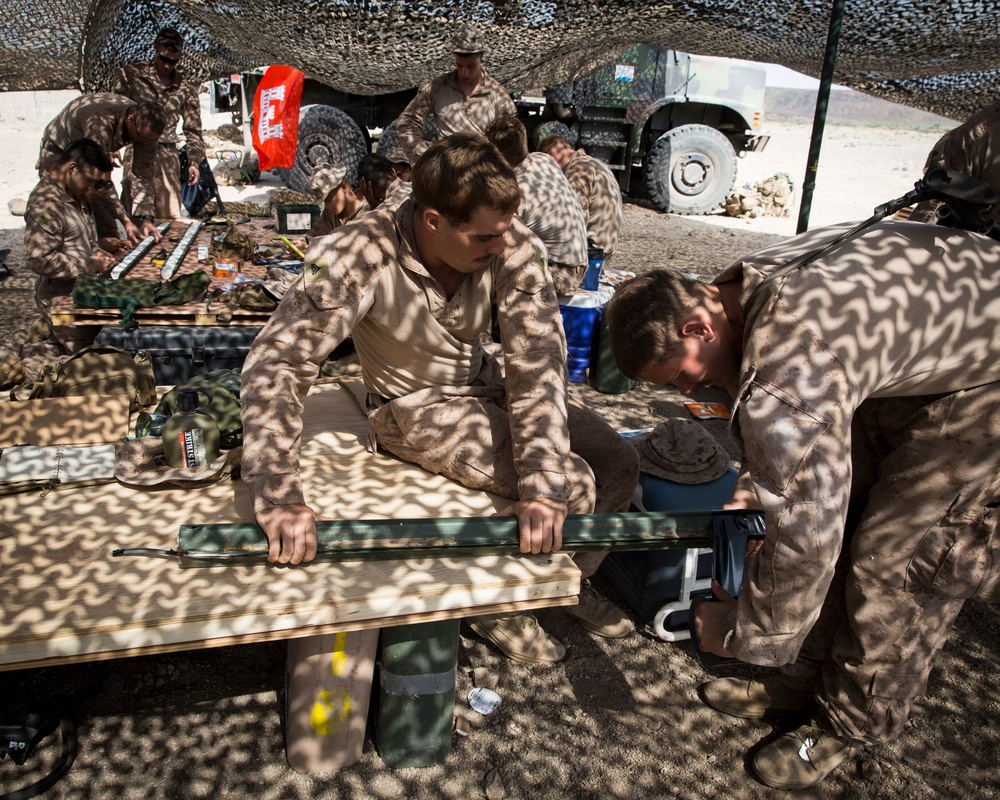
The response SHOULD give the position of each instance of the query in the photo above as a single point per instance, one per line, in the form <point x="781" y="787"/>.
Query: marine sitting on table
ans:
<point x="414" y="286"/>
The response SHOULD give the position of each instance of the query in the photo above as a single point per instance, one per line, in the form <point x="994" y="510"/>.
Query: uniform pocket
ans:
<point x="959" y="557"/>
<point x="779" y="433"/>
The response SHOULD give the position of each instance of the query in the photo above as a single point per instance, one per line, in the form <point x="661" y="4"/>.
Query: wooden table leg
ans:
<point x="328" y="685"/>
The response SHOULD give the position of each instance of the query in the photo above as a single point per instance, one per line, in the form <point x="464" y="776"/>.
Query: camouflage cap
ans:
<point x="680" y="450"/>
<point x="325" y="179"/>
<point x="468" y="41"/>
<point x="397" y="156"/>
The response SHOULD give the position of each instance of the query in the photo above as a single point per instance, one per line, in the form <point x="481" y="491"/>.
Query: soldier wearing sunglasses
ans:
<point x="60" y="234"/>
<point x="159" y="81"/>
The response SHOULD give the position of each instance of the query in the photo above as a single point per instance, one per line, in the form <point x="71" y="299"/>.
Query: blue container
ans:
<point x="581" y="318"/>
<point x="580" y="325"/>
<point x="595" y="265"/>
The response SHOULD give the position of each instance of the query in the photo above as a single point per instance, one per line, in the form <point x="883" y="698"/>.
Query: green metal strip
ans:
<point x="351" y="540"/>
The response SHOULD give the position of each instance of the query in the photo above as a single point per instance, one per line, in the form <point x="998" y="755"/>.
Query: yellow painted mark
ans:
<point x="330" y="711"/>
<point x="339" y="660"/>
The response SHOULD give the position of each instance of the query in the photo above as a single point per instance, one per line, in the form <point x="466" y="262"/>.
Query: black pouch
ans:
<point x="731" y="529"/>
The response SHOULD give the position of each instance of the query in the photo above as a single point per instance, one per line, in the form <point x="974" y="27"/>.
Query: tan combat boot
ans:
<point x="803" y="757"/>
<point x="776" y="695"/>
<point x="599" y="615"/>
<point x="520" y="638"/>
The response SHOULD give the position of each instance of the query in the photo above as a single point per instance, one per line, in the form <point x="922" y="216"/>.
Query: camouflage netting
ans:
<point x="938" y="55"/>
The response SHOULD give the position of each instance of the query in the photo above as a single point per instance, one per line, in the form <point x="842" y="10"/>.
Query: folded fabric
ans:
<point x="127" y="295"/>
<point x="26" y="467"/>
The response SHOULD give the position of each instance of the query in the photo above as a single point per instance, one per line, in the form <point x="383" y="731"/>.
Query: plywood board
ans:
<point x="67" y="599"/>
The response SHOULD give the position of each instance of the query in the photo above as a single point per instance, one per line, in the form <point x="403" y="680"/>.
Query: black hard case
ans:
<point x="180" y="353"/>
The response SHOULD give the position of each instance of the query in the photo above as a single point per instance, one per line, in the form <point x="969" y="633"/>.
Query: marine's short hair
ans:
<point x="550" y="141"/>
<point x="508" y="135"/>
<point x="374" y="167"/>
<point x="150" y="115"/>
<point x="645" y="315"/>
<point x="88" y="154"/>
<point x="169" y="39"/>
<point x="458" y="175"/>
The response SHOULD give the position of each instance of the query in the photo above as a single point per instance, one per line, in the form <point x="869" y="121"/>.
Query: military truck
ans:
<point x="670" y="124"/>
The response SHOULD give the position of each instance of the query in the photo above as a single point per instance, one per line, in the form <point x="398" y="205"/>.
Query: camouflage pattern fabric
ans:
<point x="890" y="49"/>
<point x="453" y="111"/>
<point x="973" y="148"/>
<point x="600" y="198"/>
<point x="180" y="104"/>
<point x="897" y="331"/>
<point x="551" y="210"/>
<point x="101" y="117"/>
<point x="416" y="346"/>
<point x="59" y="238"/>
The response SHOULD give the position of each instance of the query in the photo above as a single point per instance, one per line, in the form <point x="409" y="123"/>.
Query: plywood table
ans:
<point x="66" y="599"/>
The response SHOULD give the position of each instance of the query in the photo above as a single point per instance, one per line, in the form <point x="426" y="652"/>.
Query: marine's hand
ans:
<point x="540" y="522"/>
<point x="709" y="619"/>
<point x="149" y="229"/>
<point x="291" y="533"/>
<point x="193" y="175"/>
<point x="112" y="244"/>
<point x="132" y="232"/>
<point x="100" y="262"/>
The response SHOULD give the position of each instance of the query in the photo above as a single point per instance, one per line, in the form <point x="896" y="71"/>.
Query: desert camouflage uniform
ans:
<point x="453" y="111"/>
<point x="327" y="224"/>
<point x="438" y="397"/>
<point x="59" y="238"/>
<point x="179" y="101"/>
<point x="600" y="197"/>
<point x="101" y="117"/>
<point x="551" y="210"/>
<point x="973" y="148"/>
<point x="898" y="331"/>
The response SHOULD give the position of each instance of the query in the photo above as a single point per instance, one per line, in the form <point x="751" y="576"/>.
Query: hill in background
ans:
<point x="852" y="108"/>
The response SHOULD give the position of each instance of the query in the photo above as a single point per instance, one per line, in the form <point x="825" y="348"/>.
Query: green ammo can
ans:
<point x="416" y="709"/>
<point x="604" y="374"/>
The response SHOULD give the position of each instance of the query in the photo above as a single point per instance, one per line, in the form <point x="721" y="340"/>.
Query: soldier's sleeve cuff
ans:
<point x="554" y="485"/>
<point x="275" y="490"/>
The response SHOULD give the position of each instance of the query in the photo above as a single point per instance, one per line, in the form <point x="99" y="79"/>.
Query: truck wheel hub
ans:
<point x="692" y="173"/>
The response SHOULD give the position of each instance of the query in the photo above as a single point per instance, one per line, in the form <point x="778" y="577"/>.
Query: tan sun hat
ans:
<point x="325" y="179"/>
<point x="141" y="462"/>
<point x="682" y="451"/>
<point x="467" y="42"/>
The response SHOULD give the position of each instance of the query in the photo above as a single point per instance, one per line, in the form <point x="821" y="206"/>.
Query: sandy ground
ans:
<point x="617" y="719"/>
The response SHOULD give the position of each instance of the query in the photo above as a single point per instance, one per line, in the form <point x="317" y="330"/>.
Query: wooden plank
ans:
<point x="45" y="660"/>
<point x="66" y="598"/>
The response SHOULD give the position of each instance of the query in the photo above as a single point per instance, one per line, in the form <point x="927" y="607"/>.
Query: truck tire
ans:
<point x="326" y="135"/>
<point x="690" y="170"/>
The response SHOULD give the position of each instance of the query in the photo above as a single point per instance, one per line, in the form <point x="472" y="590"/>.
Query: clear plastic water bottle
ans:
<point x="595" y="265"/>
